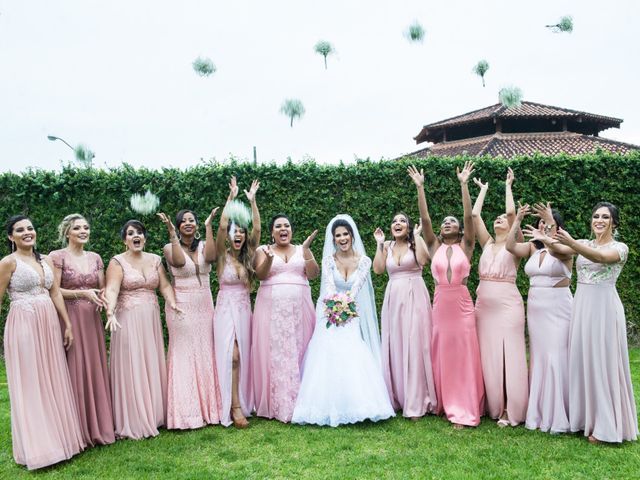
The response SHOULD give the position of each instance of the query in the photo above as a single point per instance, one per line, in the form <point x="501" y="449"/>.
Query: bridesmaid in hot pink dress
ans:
<point x="44" y="418"/>
<point x="193" y="398"/>
<point x="406" y="320"/>
<point x="232" y="327"/>
<point x="283" y="321"/>
<point x="81" y="277"/>
<point x="455" y="351"/>
<point x="500" y="316"/>
<point x="137" y="367"/>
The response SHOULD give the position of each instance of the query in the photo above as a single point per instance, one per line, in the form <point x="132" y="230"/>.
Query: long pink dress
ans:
<point x="192" y="380"/>
<point x="283" y="323"/>
<point x="500" y="323"/>
<point x="233" y="324"/>
<point x="87" y="357"/>
<point x="455" y="352"/>
<point x="138" y="370"/>
<point x="406" y="338"/>
<point x="44" y="418"/>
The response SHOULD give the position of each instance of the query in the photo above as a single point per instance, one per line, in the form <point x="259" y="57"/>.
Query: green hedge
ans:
<point x="372" y="192"/>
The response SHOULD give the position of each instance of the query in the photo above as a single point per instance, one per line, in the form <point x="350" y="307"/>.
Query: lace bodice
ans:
<point x="73" y="279"/>
<point x="187" y="277"/>
<point x="408" y="265"/>
<point x="500" y="266"/>
<point x="549" y="273"/>
<point x="601" y="273"/>
<point x="335" y="282"/>
<point x="292" y="272"/>
<point x="26" y="283"/>
<point x="135" y="288"/>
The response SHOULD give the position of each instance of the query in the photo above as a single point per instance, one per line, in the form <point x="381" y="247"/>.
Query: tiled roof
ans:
<point x="510" y="145"/>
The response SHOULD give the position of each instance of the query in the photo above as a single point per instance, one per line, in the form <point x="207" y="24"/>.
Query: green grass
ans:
<point x="396" y="448"/>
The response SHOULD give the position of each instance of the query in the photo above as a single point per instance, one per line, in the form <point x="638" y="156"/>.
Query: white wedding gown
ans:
<point x="342" y="381"/>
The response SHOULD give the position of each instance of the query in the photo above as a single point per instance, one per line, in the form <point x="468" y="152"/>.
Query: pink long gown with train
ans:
<point x="283" y="323"/>
<point x="44" y="418"/>
<point x="500" y="324"/>
<point x="137" y="364"/>
<point x="233" y="324"/>
<point x="455" y="352"/>
<point x="193" y="393"/>
<point x="406" y="338"/>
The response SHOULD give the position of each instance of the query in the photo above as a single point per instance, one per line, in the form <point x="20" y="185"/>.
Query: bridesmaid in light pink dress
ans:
<point x="283" y="320"/>
<point x="406" y="320"/>
<point x="44" y="418"/>
<point x="193" y="393"/>
<point x="454" y="345"/>
<point x="500" y="316"/>
<point x="137" y="367"/>
<point x="232" y="327"/>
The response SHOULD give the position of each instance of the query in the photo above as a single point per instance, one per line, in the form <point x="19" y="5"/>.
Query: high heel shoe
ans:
<point x="239" y="420"/>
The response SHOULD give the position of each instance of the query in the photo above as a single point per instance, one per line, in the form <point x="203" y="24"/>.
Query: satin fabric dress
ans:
<point x="455" y="351"/>
<point x="87" y="357"/>
<point x="137" y="364"/>
<point x="193" y="393"/>
<point x="601" y="401"/>
<point x="44" y="418"/>
<point x="500" y="324"/>
<point x="233" y="324"/>
<point x="406" y="337"/>
<point x="548" y="318"/>
<point x="283" y="322"/>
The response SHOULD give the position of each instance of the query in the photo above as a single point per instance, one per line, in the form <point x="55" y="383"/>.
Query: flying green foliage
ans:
<point x="292" y="108"/>
<point x="238" y="213"/>
<point x="510" y="97"/>
<point x="480" y="69"/>
<point x="84" y="155"/>
<point x="144" y="204"/>
<point x="203" y="66"/>
<point x="325" y="49"/>
<point x="565" y="25"/>
<point x="415" y="32"/>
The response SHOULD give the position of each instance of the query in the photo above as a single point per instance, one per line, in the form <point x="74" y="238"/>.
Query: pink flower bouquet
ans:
<point x="340" y="309"/>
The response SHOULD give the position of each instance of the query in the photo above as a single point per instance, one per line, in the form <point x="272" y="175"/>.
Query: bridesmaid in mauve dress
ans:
<point x="193" y="398"/>
<point x="283" y="320"/>
<point x="549" y="305"/>
<point x="44" y="418"/>
<point x="406" y="320"/>
<point x="500" y="316"/>
<point x="232" y="326"/>
<point x="81" y="277"/>
<point x="455" y="352"/>
<point x="601" y="402"/>
<point x="137" y="364"/>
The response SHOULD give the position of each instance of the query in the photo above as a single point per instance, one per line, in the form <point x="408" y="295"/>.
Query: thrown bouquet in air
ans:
<point x="340" y="309"/>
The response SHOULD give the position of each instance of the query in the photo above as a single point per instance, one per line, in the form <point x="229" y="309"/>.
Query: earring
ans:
<point x="197" y="236"/>
<point x="273" y="240"/>
<point x="13" y="246"/>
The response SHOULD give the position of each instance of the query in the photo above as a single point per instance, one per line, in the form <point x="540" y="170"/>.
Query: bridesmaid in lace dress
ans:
<point x="232" y="326"/>
<point x="81" y="278"/>
<point x="601" y="402"/>
<point x="193" y="398"/>
<point x="283" y="319"/>
<point x="44" y="418"/>
<point x="137" y="366"/>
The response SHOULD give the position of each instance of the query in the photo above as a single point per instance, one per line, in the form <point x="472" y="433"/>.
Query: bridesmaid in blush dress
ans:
<point x="455" y="351"/>
<point x="81" y="277"/>
<point x="44" y="418"/>
<point x="283" y="320"/>
<point x="137" y="364"/>
<point x="232" y="327"/>
<point x="193" y="393"/>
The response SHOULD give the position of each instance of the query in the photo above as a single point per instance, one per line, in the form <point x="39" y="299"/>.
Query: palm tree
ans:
<point x="481" y="68"/>
<point x="324" y="48"/>
<point x="292" y="108"/>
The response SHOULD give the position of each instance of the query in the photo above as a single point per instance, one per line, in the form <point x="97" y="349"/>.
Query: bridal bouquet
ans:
<point x="340" y="309"/>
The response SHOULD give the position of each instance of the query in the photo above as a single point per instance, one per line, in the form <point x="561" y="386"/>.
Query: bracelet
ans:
<point x="548" y="227"/>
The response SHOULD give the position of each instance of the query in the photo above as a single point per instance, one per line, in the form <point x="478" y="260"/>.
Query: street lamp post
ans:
<point x="82" y="153"/>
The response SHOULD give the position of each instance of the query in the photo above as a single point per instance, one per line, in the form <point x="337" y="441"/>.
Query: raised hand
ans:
<point x="233" y="188"/>
<point x="268" y="252"/>
<point x="379" y="235"/>
<point x="307" y="243"/>
<point x="563" y="237"/>
<point x="417" y="230"/>
<point x="478" y="182"/>
<point x="167" y="223"/>
<point x="207" y="222"/>
<point x="510" y="177"/>
<point x="416" y="176"/>
<point x="533" y="233"/>
<point x="112" y="323"/>
<point x="523" y="211"/>
<point x="251" y="194"/>
<point x="68" y="338"/>
<point x="543" y="211"/>
<point x="465" y="173"/>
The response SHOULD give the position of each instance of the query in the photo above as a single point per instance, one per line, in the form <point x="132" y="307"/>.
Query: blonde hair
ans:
<point x="65" y="226"/>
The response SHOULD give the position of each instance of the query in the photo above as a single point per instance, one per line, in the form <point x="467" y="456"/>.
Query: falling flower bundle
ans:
<point x="325" y="49"/>
<point x="480" y="69"/>
<point x="415" y="32"/>
<point x="144" y="204"/>
<point x="564" y="25"/>
<point x="238" y="213"/>
<point x="84" y="155"/>
<point x="292" y="108"/>
<point x="340" y="309"/>
<point x="510" y="97"/>
<point x="203" y="66"/>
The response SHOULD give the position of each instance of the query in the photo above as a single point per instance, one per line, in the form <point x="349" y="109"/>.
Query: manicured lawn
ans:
<point x="396" y="448"/>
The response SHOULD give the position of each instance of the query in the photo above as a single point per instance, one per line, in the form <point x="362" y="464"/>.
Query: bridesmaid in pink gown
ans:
<point x="455" y="351"/>
<point x="283" y="320"/>
<point x="137" y="367"/>
<point x="81" y="278"/>
<point x="232" y="327"/>
<point x="500" y="316"/>
<point x="406" y="320"/>
<point x="44" y="418"/>
<point x="193" y="393"/>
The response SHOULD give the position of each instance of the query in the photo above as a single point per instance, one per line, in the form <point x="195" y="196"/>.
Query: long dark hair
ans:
<point x="342" y="223"/>
<point x="9" y="227"/>
<point x="613" y="210"/>
<point x="179" y="219"/>
<point x="557" y="217"/>
<point x="410" y="238"/>
<point x="247" y="252"/>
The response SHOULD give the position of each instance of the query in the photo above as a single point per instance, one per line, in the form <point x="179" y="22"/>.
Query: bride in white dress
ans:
<point x="342" y="378"/>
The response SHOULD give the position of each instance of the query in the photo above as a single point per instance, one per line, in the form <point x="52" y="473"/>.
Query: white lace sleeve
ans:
<point x="329" y="284"/>
<point x="364" y="269"/>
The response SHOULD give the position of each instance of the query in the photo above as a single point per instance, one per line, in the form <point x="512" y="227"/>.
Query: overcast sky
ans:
<point x="116" y="75"/>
